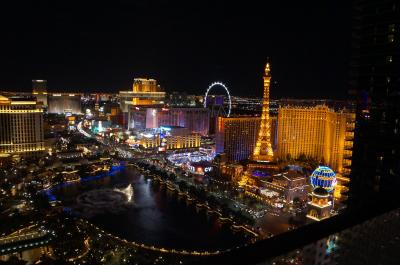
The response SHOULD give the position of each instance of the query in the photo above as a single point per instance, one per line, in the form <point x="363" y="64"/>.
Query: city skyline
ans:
<point x="158" y="132"/>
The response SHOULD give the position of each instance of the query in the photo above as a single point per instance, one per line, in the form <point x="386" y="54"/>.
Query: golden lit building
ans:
<point x="263" y="149"/>
<point x="319" y="208"/>
<point x="170" y="138"/>
<point x="183" y="141"/>
<point x="177" y="137"/>
<point x="236" y="136"/>
<point x="150" y="142"/>
<point x="318" y="132"/>
<point x="172" y="142"/>
<point x="144" y="92"/>
<point x="21" y="126"/>
<point x="144" y="85"/>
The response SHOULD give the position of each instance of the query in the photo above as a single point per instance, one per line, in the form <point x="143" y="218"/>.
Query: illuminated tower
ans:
<point x="263" y="150"/>
<point x="39" y="90"/>
<point x="96" y="104"/>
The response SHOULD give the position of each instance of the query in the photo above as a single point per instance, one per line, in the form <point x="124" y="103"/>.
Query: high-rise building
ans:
<point x="144" y="85"/>
<point x="144" y="92"/>
<point x="196" y="120"/>
<point x="236" y="136"/>
<point x="39" y="90"/>
<point x="21" y="126"/>
<point x="263" y="149"/>
<point x="376" y="50"/>
<point x="64" y="103"/>
<point x="375" y="79"/>
<point x="318" y="132"/>
<point x="216" y="106"/>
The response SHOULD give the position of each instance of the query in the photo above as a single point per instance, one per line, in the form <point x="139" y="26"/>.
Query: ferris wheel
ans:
<point x="227" y="92"/>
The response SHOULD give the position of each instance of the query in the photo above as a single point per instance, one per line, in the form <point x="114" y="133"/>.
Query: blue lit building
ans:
<point x="323" y="177"/>
<point x="236" y="136"/>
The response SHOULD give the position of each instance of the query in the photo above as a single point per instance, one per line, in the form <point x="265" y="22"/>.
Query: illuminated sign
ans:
<point x="207" y="169"/>
<point x="199" y="169"/>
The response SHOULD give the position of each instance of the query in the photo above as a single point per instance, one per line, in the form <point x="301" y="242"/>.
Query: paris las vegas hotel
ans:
<point x="318" y="129"/>
<point x="320" y="132"/>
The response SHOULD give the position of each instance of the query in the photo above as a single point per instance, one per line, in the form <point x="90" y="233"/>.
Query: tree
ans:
<point x="302" y="157"/>
<point x="296" y="201"/>
<point x="182" y="186"/>
<point x="172" y="177"/>
<point x="202" y="194"/>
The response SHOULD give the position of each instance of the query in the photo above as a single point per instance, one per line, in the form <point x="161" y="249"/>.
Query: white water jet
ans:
<point x="128" y="191"/>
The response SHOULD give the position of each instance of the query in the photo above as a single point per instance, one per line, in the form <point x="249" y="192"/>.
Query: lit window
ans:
<point x="390" y="38"/>
<point x="389" y="59"/>
<point x="392" y="28"/>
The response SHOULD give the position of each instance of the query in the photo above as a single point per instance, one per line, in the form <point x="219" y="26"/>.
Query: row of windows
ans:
<point x="22" y="147"/>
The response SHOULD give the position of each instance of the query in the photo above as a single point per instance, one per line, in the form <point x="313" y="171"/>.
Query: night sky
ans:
<point x="185" y="45"/>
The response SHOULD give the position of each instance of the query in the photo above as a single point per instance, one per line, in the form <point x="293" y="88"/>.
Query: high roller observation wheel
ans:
<point x="227" y="92"/>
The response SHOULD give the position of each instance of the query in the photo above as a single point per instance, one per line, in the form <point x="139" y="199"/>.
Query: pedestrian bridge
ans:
<point x="25" y="238"/>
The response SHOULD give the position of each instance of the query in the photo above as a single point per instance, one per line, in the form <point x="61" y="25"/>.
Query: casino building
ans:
<point x="319" y="132"/>
<point x="196" y="120"/>
<point x="21" y="127"/>
<point x="144" y="92"/>
<point x="64" y="103"/>
<point x="39" y="90"/>
<point x="236" y="136"/>
<point x="170" y="138"/>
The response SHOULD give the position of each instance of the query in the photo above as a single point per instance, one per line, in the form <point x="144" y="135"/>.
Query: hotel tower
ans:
<point x="21" y="127"/>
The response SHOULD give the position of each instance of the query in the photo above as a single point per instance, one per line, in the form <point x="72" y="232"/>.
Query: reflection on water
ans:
<point x="155" y="216"/>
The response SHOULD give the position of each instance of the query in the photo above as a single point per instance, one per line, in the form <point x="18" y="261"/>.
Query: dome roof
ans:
<point x="3" y="98"/>
<point x="320" y="192"/>
<point x="323" y="177"/>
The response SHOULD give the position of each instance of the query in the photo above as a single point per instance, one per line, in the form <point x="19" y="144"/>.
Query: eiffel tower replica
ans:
<point x="263" y="149"/>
